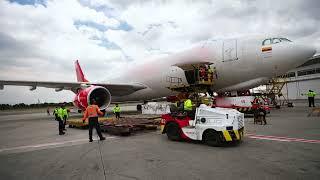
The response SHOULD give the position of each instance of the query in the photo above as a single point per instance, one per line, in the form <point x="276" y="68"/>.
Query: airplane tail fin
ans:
<point x="80" y="75"/>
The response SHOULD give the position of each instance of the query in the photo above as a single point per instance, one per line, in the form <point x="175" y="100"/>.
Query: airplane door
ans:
<point x="174" y="77"/>
<point x="229" y="50"/>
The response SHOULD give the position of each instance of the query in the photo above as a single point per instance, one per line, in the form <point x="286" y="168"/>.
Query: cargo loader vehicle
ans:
<point x="213" y="126"/>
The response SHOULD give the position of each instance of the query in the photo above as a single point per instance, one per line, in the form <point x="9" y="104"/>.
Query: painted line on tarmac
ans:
<point x="283" y="139"/>
<point x="48" y="145"/>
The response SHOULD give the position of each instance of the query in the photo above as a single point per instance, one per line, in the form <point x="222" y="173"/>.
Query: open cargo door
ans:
<point x="199" y="75"/>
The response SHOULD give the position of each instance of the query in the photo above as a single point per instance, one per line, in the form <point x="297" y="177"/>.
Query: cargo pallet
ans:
<point x="122" y="127"/>
<point x="127" y="126"/>
<point x="78" y="123"/>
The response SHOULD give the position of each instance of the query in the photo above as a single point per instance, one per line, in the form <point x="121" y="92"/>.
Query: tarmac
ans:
<point x="288" y="147"/>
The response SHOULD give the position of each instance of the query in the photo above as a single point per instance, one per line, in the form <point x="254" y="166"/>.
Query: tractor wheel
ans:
<point x="212" y="138"/>
<point x="173" y="132"/>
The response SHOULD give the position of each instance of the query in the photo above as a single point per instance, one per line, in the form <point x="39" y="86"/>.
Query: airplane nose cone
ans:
<point x="309" y="51"/>
<point x="300" y="53"/>
<point x="306" y="51"/>
<point x="292" y="56"/>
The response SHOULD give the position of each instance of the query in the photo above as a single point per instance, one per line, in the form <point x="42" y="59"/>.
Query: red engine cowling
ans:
<point x="101" y="95"/>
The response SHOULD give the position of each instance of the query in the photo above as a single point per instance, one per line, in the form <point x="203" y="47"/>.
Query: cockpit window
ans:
<point x="266" y="42"/>
<point x="274" y="41"/>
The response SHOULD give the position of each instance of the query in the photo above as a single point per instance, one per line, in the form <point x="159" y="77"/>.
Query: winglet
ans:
<point x="80" y="75"/>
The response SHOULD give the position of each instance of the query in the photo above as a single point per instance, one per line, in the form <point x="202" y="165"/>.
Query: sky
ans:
<point x="41" y="39"/>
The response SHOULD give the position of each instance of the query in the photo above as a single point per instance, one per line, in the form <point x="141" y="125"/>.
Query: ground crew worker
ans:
<point x="187" y="107"/>
<point x="92" y="112"/>
<point x="55" y="113"/>
<point x="65" y="116"/>
<point x="258" y="111"/>
<point x="117" y="111"/>
<point x="210" y="74"/>
<point x="59" y="118"/>
<point x="48" y="111"/>
<point x="202" y="72"/>
<point x="311" y="96"/>
<point x="180" y="105"/>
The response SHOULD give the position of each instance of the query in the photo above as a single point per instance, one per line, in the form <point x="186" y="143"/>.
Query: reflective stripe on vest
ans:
<point x="311" y="94"/>
<point x="116" y="109"/>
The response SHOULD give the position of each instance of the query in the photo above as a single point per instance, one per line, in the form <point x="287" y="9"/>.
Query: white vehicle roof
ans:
<point x="204" y="110"/>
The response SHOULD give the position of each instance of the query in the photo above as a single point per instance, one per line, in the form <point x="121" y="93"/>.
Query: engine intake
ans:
<point x="100" y="94"/>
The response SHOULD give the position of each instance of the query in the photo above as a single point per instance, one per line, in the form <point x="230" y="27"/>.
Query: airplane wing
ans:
<point x="115" y="89"/>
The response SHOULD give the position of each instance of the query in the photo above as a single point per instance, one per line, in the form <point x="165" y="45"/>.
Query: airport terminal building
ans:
<point x="303" y="78"/>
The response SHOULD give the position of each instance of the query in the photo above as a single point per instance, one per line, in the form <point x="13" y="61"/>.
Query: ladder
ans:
<point x="274" y="89"/>
<point x="276" y="85"/>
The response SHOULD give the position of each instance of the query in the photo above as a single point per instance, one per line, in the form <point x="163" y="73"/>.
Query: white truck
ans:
<point x="244" y="104"/>
<point x="213" y="126"/>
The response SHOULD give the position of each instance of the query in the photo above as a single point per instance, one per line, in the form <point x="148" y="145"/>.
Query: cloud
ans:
<point x="39" y="40"/>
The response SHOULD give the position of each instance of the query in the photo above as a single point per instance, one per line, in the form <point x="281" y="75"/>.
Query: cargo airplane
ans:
<point x="236" y="64"/>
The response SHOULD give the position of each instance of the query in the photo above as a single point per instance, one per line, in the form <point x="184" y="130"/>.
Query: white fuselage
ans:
<point x="240" y="64"/>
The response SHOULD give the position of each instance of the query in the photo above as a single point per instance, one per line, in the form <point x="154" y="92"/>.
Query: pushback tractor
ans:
<point x="213" y="126"/>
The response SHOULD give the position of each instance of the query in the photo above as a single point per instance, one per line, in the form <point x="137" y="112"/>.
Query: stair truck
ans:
<point x="213" y="126"/>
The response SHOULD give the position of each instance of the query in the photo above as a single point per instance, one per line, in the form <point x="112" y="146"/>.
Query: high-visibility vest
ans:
<point x="116" y="109"/>
<point x="92" y="111"/>
<point x="311" y="94"/>
<point x="188" y="105"/>
<point x="60" y="113"/>
<point x="55" y="111"/>
<point x="65" y="112"/>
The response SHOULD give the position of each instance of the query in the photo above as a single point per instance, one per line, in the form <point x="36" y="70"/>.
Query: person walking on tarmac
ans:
<point x="55" y="113"/>
<point x="65" y="116"/>
<point x="92" y="112"/>
<point x="259" y="114"/>
<point x="210" y="74"/>
<point x="59" y="118"/>
<point x="188" y="107"/>
<point x="48" y="111"/>
<point x="311" y="96"/>
<point x="117" y="110"/>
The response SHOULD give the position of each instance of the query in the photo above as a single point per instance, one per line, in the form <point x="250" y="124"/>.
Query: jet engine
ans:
<point x="100" y="94"/>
